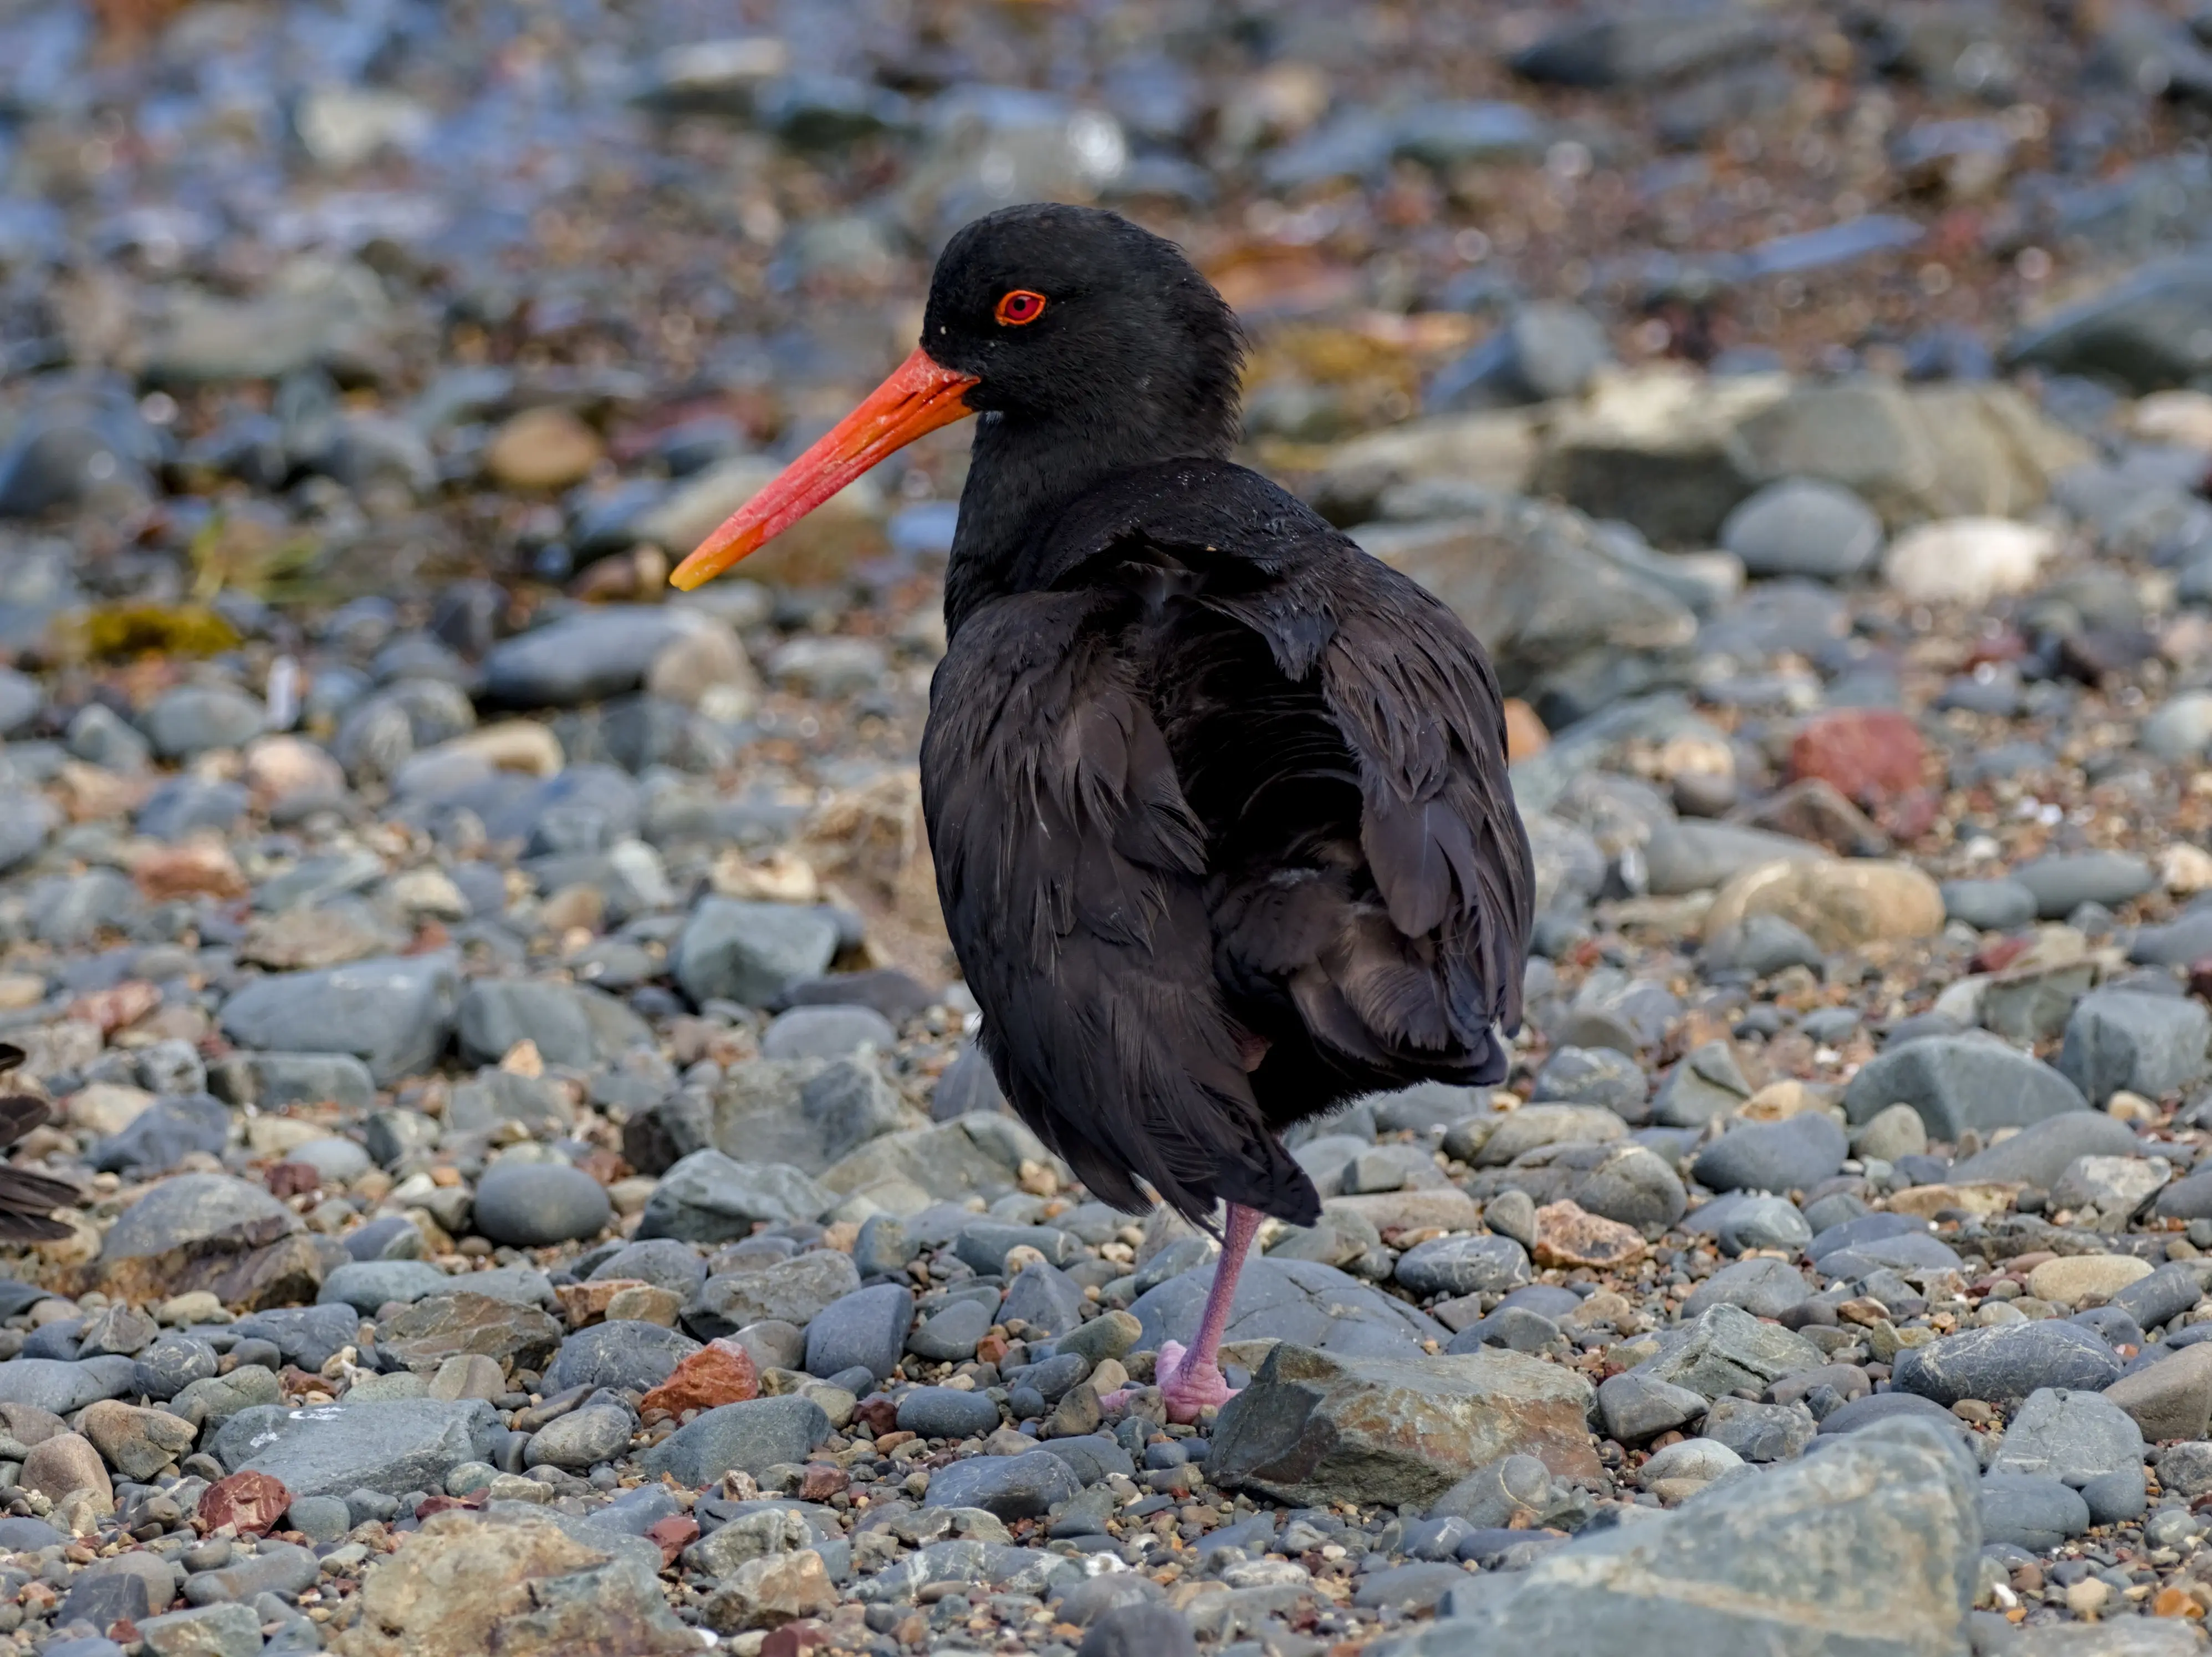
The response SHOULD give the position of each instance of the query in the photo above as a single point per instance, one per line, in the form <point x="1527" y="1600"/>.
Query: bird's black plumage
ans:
<point x="1218" y="802"/>
<point x="28" y="1200"/>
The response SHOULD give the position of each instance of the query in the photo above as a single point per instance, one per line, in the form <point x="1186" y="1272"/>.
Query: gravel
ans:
<point x="468" y="979"/>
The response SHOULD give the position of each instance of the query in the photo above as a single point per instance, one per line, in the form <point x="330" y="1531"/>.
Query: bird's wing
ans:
<point x="1071" y="872"/>
<point x="27" y="1200"/>
<point x="1405" y="962"/>
<point x="19" y="1113"/>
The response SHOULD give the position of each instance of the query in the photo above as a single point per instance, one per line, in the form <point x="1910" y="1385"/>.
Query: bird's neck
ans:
<point x="1024" y="474"/>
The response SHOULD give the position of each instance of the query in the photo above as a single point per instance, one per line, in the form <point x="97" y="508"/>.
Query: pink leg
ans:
<point x="1191" y="1379"/>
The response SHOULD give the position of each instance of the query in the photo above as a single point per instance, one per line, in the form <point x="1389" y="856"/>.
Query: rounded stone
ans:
<point x="1803" y="526"/>
<point x="946" y="1412"/>
<point x="1464" y="1266"/>
<point x="318" y="1518"/>
<point x="580" y="1439"/>
<point x="827" y="1032"/>
<point x="1798" y="1151"/>
<point x="531" y="1204"/>
<point x="2073" y="1278"/>
<point x="951" y="1336"/>
<point x="1838" y="904"/>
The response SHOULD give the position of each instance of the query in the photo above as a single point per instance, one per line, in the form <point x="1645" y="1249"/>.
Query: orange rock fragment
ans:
<point x="1568" y="1236"/>
<point x="721" y="1372"/>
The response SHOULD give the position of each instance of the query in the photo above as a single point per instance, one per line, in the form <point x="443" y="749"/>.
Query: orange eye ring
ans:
<point x="1019" y="308"/>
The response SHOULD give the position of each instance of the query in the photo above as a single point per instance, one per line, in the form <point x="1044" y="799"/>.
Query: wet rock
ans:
<point x="1395" y="1430"/>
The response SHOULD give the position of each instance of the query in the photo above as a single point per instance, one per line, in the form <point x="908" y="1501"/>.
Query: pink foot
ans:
<point x="1187" y="1388"/>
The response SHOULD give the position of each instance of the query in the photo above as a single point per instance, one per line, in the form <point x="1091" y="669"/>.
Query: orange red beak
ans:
<point x="920" y="396"/>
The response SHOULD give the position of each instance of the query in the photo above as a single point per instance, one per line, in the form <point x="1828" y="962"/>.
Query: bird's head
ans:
<point x="1069" y="320"/>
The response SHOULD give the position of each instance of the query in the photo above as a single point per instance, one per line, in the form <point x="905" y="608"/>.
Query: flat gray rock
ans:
<point x="395" y="1014"/>
<point x="393" y="1446"/>
<point x="1301" y="1301"/>
<point x="2038" y="1154"/>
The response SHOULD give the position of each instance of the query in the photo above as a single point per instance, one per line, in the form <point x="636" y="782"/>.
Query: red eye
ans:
<point x="1019" y="307"/>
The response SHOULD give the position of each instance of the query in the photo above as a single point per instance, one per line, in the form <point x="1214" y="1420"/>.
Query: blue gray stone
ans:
<point x="1007" y="1487"/>
<point x="865" y="1330"/>
<point x="394" y="1014"/>
<point x="752" y="1437"/>
<point x="1960" y="1082"/>
<point x="393" y="1446"/>
<point x="1300" y="1302"/>
<point x="625" y="1355"/>
<point x="364" y="1285"/>
<point x="1797" y="1151"/>
<point x="734" y="950"/>
<point x="2030" y="1512"/>
<point x="531" y="1204"/>
<point x="946" y="1412"/>
<point x="2062" y="883"/>
<point x="2005" y="1364"/>
<point x="2152" y="1045"/>
<point x="1464" y="1266"/>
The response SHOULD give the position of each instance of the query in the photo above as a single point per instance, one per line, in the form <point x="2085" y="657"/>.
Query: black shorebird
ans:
<point x="1218" y="802"/>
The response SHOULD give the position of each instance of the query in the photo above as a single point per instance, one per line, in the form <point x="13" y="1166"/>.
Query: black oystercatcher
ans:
<point x="1218" y="802"/>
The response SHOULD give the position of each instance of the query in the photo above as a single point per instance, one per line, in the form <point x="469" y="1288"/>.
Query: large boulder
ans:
<point x="1318" y="1427"/>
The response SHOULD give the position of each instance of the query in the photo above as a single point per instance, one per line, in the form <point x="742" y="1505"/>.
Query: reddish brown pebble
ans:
<point x="250" y="1501"/>
<point x="672" y="1535"/>
<point x="1871" y="755"/>
<point x="721" y="1372"/>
